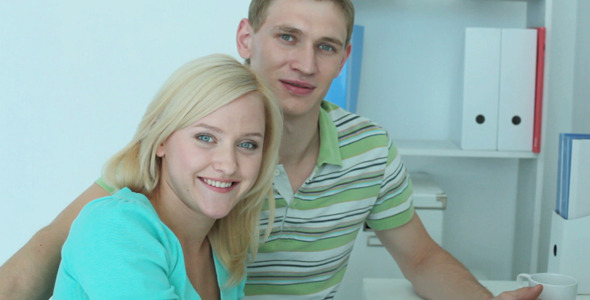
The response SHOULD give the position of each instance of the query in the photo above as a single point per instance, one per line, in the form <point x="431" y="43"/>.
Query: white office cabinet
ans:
<point x="412" y="84"/>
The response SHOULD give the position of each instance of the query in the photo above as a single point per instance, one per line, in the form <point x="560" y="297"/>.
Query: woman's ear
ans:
<point x="244" y="38"/>
<point x="160" y="150"/>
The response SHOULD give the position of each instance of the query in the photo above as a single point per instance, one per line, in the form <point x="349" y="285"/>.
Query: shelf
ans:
<point x="449" y="149"/>
<point x="516" y="0"/>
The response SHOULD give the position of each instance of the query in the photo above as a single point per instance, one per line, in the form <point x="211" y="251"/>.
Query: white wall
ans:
<point x="75" y="78"/>
<point x="581" y="95"/>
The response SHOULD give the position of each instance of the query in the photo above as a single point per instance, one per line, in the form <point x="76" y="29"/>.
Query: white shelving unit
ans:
<point x="446" y="148"/>
<point x="411" y="84"/>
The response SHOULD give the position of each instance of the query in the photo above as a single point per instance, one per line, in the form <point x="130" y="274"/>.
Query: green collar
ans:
<point x="329" y="146"/>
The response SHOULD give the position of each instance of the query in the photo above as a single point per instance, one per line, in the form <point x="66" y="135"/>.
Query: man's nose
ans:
<point x="305" y="59"/>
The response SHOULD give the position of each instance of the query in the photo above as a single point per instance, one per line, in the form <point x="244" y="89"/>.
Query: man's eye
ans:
<point x="327" y="48"/>
<point x="248" y="145"/>
<point x="287" y="37"/>
<point x="205" y="138"/>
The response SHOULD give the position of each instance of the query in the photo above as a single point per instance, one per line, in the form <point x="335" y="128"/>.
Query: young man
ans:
<point x="337" y="170"/>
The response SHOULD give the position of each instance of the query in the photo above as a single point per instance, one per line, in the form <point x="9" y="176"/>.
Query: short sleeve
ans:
<point x="117" y="250"/>
<point x="393" y="207"/>
<point x="109" y="189"/>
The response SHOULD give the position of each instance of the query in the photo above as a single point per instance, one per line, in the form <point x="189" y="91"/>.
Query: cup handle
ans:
<point x="522" y="278"/>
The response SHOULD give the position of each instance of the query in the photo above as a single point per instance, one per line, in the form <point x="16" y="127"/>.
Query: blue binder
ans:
<point x="563" y="170"/>
<point x="344" y="89"/>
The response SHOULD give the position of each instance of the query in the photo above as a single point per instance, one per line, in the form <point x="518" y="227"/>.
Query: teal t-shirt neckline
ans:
<point x="122" y="235"/>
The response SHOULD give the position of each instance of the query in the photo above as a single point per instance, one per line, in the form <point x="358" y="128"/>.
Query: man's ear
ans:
<point x="244" y="38"/>
<point x="345" y="56"/>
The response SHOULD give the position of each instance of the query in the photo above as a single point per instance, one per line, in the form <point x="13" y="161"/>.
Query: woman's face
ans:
<point x="210" y="165"/>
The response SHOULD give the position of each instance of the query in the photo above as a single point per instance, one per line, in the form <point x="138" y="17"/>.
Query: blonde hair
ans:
<point x="192" y="92"/>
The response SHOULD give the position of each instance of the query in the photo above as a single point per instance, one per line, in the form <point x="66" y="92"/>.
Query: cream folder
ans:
<point x="479" y="124"/>
<point x="579" y="189"/>
<point x="516" y="107"/>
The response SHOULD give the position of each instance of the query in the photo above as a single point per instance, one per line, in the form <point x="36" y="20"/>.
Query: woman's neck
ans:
<point x="189" y="227"/>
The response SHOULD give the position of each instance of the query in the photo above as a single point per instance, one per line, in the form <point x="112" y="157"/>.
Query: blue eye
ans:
<point x="248" y="145"/>
<point x="287" y="37"/>
<point x="204" y="138"/>
<point x="327" y="48"/>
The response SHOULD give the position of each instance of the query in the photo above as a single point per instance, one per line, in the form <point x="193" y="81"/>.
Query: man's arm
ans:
<point x="434" y="273"/>
<point x="30" y="273"/>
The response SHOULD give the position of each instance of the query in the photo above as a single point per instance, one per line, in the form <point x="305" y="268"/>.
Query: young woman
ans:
<point x="186" y="193"/>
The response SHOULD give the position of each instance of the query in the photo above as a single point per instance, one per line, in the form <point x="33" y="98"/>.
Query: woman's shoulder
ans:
<point x="122" y="211"/>
<point x="124" y="201"/>
<point x="120" y="243"/>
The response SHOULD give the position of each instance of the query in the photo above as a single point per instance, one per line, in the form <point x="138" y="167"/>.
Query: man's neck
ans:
<point x="300" y="136"/>
<point x="300" y="147"/>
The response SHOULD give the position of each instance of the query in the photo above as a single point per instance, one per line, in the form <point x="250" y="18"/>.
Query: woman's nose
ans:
<point x="225" y="160"/>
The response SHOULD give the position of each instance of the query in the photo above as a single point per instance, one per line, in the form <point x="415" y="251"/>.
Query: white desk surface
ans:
<point x="390" y="289"/>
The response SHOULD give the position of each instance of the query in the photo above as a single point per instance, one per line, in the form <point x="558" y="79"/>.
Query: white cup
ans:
<point x="555" y="286"/>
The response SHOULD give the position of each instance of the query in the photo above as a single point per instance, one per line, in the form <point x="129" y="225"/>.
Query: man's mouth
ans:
<point x="297" y="84"/>
<point x="298" y="88"/>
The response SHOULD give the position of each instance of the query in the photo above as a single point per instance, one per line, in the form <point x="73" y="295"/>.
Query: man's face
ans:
<point x="298" y="51"/>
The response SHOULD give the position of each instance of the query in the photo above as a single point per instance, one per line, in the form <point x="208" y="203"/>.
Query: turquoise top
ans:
<point x="118" y="248"/>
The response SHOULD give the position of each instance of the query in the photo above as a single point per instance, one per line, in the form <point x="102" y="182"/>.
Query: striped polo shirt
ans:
<point x="359" y="177"/>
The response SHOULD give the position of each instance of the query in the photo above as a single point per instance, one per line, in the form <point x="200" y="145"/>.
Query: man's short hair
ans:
<point x="258" y="9"/>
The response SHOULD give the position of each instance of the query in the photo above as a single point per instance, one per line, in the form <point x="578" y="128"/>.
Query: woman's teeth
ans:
<point x="219" y="184"/>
